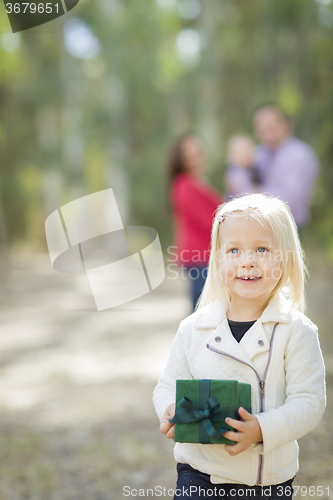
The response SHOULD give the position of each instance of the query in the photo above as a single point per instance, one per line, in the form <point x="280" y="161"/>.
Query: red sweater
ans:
<point x="194" y="204"/>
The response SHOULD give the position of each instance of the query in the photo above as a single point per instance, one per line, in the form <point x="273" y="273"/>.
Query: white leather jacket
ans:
<point x="287" y="375"/>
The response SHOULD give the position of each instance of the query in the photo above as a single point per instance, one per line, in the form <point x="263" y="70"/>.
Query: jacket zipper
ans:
<point x="261" y="389"/>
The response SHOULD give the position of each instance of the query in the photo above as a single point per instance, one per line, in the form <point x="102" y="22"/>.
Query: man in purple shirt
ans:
<point x="284" y="165"/>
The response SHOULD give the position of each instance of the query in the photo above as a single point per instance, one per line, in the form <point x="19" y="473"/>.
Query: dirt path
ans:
<point x="76" y="387"/>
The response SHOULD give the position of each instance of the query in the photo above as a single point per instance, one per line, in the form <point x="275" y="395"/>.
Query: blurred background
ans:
<point x="95" y="99"/>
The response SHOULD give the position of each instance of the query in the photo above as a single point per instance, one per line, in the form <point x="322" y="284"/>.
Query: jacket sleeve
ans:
<point x="176" y="368"/>
<point x="305" y="393"/>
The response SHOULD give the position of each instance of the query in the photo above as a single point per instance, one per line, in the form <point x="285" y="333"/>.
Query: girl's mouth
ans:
<point x="249" y="279"/>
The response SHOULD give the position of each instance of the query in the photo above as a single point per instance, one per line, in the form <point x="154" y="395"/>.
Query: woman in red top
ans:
<point x="193" y="204"/>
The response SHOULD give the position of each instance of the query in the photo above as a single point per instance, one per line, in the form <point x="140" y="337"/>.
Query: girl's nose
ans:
<point x="248" y="264"/>
<point x="248" y="260"/>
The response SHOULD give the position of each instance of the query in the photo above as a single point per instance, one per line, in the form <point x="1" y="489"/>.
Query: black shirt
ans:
<point x="239" y="328"/>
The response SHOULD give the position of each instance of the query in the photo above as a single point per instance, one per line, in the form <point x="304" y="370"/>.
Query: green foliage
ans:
<point x="123" y="108"/>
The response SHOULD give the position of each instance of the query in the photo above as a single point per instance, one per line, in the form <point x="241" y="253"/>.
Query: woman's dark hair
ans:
<point x="176" y="163"/>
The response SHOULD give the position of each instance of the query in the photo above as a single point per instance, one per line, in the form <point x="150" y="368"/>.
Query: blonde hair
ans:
<point x="274" y="215"/>
<point x="234" y="140"/>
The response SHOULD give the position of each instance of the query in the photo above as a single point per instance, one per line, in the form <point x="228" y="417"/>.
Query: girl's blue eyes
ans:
<point x="259" y="250"/>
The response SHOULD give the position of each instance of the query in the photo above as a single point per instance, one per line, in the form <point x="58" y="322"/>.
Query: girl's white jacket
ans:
<point x="287" y="375"/>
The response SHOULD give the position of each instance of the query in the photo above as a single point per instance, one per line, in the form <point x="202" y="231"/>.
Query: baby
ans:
<point x="241" y="153"/>
<point x="240" y="150"/>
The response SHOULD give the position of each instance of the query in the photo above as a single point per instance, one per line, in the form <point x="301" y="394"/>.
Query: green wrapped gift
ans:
<point x="202" y="407"/>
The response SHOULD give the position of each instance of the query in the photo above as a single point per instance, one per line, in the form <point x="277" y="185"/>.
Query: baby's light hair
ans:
<point x="274" y="215"/>
<point x="234" y="140"/>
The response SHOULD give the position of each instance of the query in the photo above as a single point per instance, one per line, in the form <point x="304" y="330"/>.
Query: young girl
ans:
<point x="249" y="326"/>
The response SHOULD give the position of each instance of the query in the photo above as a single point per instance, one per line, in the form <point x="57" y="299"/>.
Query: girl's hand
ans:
<point x="166" y="427"/>
<point x="248" y="432"/>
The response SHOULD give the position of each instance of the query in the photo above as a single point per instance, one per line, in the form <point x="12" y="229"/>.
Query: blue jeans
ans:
<point x="197" y="275"/>
<point x="196" y="485"/>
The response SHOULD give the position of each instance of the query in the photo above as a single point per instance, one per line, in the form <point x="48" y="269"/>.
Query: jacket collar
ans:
<point x="256" y="341"/>
<point x="278" y="311"/>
